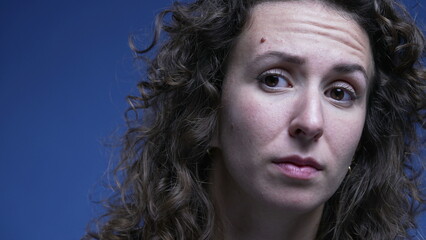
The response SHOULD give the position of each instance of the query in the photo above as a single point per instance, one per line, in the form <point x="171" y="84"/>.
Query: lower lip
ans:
<point x="298" y="172"/>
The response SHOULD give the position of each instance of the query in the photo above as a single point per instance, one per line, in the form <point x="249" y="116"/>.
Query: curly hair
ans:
<point x="163" y="175"/>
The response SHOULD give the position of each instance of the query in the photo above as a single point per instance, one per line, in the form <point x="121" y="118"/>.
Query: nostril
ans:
<point x="318" y="135"/>
<point x="299" y="132"/>
<point x="295" y="132"/>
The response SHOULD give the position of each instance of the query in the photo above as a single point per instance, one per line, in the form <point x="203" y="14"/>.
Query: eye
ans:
<point x="339" y="94"/>
<point x="342" y="92"/>
<point x="274" y="80"/>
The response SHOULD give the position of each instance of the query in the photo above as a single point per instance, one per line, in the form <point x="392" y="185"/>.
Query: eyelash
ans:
<point x="347" y="89"/>
<point x="283" y="76"/>
<point x="280" y="74"/>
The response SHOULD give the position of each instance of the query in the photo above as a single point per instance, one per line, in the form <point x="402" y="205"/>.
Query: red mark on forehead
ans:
<point x="262" y="40"/>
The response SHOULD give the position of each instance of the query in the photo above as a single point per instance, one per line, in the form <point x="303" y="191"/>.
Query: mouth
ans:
<point x="297" y="167"/>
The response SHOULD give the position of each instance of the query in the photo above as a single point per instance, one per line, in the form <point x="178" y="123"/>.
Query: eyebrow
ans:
<point x="285" y="57"/>
<point x="350" y="68"/>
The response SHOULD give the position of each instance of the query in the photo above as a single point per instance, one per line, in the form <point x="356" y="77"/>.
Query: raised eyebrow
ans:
<point x="350" y="68"/>
<point x="282" y="56"/>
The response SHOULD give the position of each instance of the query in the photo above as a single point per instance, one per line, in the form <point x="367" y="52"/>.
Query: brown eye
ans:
<point x="342" y="92"/>
<point x="274" y="80"/>
<point x="271" y="80"/>
<point x="337" y="94"/>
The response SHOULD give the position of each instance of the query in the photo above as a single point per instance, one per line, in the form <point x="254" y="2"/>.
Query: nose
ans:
<point x="308" y="120"/>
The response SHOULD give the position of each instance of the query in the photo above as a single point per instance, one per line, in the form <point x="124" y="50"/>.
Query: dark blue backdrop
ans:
<point x="65" y="69"/>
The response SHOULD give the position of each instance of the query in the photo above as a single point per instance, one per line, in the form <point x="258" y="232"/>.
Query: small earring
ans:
<point x="349" y="168"/>
<point x="209" y="151"/>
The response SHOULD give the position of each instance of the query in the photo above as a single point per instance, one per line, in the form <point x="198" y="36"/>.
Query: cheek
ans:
<point x="344" y="135"/>
<point x="250" y="121"/>
<point x="239" y="123"/>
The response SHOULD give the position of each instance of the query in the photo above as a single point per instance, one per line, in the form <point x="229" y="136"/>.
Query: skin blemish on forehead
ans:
<point x="262" y="40"/>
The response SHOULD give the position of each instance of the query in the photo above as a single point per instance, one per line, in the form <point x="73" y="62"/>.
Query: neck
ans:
<point x="239" y="216"/>
<point x="251" y="225"/>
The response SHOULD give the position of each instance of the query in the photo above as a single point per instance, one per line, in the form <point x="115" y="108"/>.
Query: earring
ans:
<point x="209" y="151"/>
<point x="352" y="162"/>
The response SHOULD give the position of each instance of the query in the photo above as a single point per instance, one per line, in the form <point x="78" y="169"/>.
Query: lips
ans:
<point x="298" y="167"/>
<point x="299" y="161"/>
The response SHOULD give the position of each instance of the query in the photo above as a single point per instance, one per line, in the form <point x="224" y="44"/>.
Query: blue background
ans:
<point x="65" y="70"/>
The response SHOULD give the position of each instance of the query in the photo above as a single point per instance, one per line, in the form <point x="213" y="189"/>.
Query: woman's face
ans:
<point x="293" y="105"/>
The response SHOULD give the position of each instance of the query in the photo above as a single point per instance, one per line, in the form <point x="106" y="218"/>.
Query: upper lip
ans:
<point x="300" y="161"/>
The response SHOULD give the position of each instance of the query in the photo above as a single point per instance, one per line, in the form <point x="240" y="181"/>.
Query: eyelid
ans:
<point x="275" y="72"/>
<point x="346" y="86"/>
<point x="280" y="73"/>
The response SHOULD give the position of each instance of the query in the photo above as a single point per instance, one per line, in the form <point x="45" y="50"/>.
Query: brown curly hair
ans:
<point x="163" y="174"/>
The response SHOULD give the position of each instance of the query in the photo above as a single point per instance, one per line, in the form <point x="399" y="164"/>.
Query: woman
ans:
<point x="274" y="120"/>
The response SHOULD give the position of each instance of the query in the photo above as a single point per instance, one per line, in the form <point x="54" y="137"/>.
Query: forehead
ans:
<point x="288" y="24"/>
